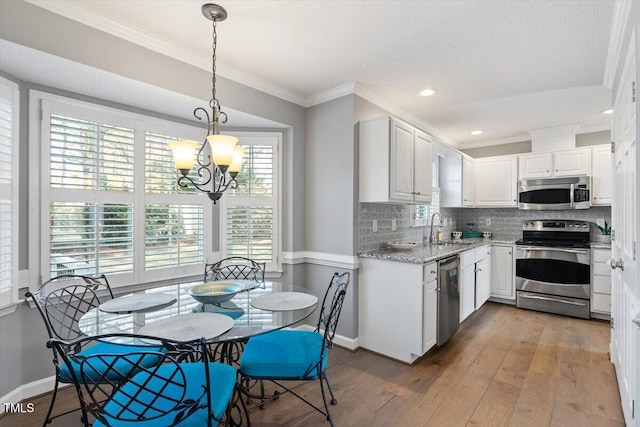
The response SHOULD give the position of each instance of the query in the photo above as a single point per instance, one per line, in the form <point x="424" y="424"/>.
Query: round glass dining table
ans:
<point x="248" y="320"/>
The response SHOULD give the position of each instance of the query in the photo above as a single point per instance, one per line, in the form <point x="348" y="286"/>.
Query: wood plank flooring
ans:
<point x="504" y="367"/>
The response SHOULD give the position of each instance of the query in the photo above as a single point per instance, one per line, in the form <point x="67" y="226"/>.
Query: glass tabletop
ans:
<point x="248" y="320"/>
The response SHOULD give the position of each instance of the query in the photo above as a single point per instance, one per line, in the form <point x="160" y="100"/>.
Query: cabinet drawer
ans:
<point x="601" y="285"/>
<point x="601" y="269"/>
<point x="429" y="272"/>
<point x="482" y="252"/>
<point x="601" y="303"/>
<point x="600" y="255"/>
<point x="467" y="258"/>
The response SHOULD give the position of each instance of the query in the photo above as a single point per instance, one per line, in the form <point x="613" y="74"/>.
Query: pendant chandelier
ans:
<point x="224" y="159"/>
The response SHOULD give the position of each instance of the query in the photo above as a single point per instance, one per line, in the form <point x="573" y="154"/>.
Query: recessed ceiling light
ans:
<point x="476" y="132"/>
<point x="427" y="92"/>
<point x="609" y="111"/>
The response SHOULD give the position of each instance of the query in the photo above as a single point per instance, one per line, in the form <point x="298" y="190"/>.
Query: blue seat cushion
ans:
<point x="122" y="366"/>
<point x="222" y="382"/>
<point x="283" y="354"/>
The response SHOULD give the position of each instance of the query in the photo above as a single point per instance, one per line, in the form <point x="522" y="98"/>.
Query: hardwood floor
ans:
<point x="504" y="367"/>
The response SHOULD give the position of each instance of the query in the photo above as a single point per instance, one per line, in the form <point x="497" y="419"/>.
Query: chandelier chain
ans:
<point x="213" y="67"/>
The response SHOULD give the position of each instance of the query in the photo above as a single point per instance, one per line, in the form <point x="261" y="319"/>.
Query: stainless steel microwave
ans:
<point x="569" y="192"/>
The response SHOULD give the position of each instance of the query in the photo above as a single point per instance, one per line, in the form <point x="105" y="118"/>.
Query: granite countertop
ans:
<point x="430" y="253"/>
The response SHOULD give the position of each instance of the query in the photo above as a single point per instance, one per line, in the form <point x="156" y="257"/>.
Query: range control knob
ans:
<point x="584" y="225"/>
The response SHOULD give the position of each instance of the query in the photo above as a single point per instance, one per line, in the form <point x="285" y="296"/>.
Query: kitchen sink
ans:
<point x="450" y="243"/>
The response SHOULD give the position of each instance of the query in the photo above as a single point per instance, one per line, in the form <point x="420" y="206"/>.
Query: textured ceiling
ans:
<point x="502" y="66"/>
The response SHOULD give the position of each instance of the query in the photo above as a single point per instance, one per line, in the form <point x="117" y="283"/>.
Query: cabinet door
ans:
<point x="602" y="175"/>
<point x="534" y="165"/>
<point x="502" y="275"/>
<point x="401" y="162"/>
<point x="429" y="315"/>
<point x="422" y="168"/>
<point x="496" y="181"/>
<point x="467" y="288"/>
<point x="483" y="275"/>
<point x="468" y="181"/>
<point x="572" y="162"/>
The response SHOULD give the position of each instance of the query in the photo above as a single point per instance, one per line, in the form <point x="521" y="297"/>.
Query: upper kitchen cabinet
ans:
<point x="468" y="181"/>
<point x="559" y="163"/>
<point x="534" y="165"/>
<point x="496" y="181"/>
<point x="457" y="177"/>
<point x="395" y="162"/>
<point x="601" y="175"/>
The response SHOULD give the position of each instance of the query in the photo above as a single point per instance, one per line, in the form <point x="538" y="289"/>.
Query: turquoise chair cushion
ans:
<point x="111" y="348"/>
<point x="283" y="354"/>
<point x="222" y="380"/>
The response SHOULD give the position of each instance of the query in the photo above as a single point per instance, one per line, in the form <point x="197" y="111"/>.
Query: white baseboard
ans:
<point x="344" y="342"/>
<point x="26" y="391"/>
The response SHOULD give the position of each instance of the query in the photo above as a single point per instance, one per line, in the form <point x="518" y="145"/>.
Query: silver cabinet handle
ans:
<point x="613" y="264"/>
<point x="433" y="272"/>
<point x="620" y="264"/>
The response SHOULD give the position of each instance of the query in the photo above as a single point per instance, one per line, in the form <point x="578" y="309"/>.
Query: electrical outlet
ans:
<point x="393" y="225"/>
<point x="600" y="222"/>
<point x="488" y="222"/>
<point x="375" y="225"/>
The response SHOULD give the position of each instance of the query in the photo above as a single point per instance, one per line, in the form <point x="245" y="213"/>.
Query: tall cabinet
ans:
<point x="395" y="162"/>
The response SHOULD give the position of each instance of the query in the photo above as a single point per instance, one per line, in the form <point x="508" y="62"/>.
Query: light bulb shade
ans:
<point x="183" y="153"/>
<point x="236" y="162"/>
<point x="222" y="148"/>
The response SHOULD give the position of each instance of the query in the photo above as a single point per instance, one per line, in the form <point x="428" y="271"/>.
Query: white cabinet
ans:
<point x="398" y="308"/>
<point x="483" y="274"/>
<point x="429" y="313"/>
<point x="557" y="163"/>
<point x="467" y="284"/>
<point x="572" y="162"/>
<point x="534" y="165"/>
<point x="600" y="281"/>
<point x="502" y="272"/>
<point x="457" y="181"/>
<point x="601" y="175"/>
<point x="395" y="162"/>
<point x="496" y="181"/>
<point x="468" y="181"/>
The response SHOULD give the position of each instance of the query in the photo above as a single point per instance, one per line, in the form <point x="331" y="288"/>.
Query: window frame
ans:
<point x="244" y="138"/>
<point x="41" y="194"/>
<point x="9" y="296"/>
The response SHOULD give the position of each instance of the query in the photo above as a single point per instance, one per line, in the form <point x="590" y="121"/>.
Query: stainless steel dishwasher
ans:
<point x="448" y="298"/>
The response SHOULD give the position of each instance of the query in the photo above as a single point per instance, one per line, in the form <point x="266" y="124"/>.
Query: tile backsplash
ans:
<point x="506" y="223"/>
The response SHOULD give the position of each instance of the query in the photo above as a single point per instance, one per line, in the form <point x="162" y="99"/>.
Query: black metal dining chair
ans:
<point x="293" y="355"/>
<point x="61" y="302"/>
<point x="235" y="267"/>
<point x="150" y="382"/>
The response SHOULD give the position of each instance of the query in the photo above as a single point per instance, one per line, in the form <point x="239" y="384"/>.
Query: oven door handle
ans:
<point x="536" y="248"/>
<point x="552" y="299"/>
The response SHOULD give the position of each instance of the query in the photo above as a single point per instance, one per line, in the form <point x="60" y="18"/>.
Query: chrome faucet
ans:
<point x="433" y="217"/>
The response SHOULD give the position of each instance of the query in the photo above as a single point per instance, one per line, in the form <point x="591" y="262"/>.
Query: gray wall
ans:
<point x="582" y="140"/>
<point x="23" y="354"/>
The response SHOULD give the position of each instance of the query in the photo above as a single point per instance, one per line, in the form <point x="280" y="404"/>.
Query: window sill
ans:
<point x="9" y="308"/>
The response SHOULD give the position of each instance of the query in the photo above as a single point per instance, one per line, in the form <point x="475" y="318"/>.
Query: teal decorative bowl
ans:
<point x="215" y="292"/>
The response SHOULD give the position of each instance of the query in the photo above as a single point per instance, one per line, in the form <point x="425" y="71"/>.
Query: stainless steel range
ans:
<point x="553" y="267"/>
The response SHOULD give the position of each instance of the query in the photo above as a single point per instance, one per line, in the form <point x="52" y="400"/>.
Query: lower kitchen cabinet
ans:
<point x="398" y="308"/>
<point x="429" y="314"/>
<point x="467" y="284"/>
<point x="502" y="272"/>
<point x="483" y="274"/>
<point x="600" y="281"/>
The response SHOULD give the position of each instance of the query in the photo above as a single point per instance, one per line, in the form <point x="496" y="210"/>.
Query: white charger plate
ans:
<point x="188" y="327"/>
<point x="137" y="303"/>
<point x="284" y="301"/>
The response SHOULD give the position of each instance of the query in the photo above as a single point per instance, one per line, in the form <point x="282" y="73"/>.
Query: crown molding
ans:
<point x="84" y="15"/>
<point x="331" y="94"/>
<point x="621" y="12"/>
